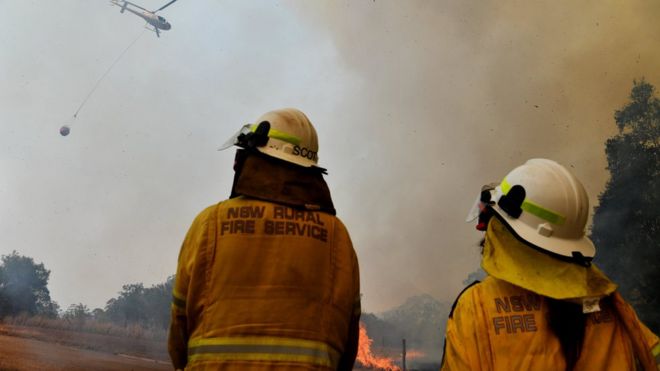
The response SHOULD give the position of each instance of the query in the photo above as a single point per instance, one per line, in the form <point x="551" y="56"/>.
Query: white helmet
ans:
<point x="547" y="206"/>
<point x="286" y="134"/>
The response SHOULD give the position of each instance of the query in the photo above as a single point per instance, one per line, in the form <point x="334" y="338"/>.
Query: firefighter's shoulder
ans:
<point x="204" y="215"/>
<point x="203" y="218"/>
<point x="462" y="295"/>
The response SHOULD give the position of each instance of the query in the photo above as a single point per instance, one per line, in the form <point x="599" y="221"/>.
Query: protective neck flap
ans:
<point x="271" y="179"/>
<point x="507" y="258"/>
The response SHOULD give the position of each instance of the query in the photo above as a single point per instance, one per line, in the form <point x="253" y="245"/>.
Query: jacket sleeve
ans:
<point x="177" y="342"/>
<point x="645" y="343"/>
<point x="461" y="337"/>
<point x="347" y="359"/>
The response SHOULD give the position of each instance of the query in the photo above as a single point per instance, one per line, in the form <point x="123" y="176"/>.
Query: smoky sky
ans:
<point x="417" y="104"/>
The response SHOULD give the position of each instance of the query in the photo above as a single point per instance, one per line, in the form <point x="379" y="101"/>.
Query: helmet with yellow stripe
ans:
<point x="286" y="134"/>
<point x="546" y="205"/>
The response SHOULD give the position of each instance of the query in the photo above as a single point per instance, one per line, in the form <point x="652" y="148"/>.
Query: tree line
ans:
<point x="626" y="224"/>
<point x="24" y="287"/>
<point x="24" y="291"/>
<point x="135" y="305"/>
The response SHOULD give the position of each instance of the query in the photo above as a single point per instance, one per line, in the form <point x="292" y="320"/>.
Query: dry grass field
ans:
<point x="26" y="348"/>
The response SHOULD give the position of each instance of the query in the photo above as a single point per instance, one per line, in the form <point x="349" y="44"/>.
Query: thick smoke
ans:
<point x="417" y="104"/>
<point x="452" y="95"/>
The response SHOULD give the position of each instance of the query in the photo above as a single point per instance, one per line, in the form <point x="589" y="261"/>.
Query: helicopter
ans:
<point x="158" y="22"/>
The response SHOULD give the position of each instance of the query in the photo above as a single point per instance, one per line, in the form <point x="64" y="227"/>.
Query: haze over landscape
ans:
<point x="417" y="104"/>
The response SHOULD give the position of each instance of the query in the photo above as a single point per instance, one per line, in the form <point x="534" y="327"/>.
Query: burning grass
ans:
<point x="366" y="357"/>
<point x="389" y="360"/>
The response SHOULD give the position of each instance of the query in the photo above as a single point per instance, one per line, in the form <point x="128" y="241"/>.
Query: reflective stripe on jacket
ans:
<point x="263" y="349"/>
<point x="498" y="326"/>
<point x="261" y="286"/>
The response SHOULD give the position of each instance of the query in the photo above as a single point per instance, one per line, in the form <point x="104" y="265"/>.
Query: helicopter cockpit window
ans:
<point x="161" y="19"/>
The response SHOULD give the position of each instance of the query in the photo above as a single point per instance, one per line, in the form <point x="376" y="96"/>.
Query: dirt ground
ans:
<point x="135" y="346"/>
<point x="18" y="353"/>
<point x="30" y="348"/>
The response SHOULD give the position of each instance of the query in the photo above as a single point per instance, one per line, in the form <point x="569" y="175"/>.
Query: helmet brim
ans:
<point x="566" y="247"/>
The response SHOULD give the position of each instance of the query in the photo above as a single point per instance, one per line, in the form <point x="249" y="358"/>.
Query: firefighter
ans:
<point x="268" y="279"/>
<point x="543" y="305"/>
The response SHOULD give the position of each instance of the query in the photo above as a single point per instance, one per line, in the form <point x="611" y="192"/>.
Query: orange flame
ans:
<point x="368" y="359"/>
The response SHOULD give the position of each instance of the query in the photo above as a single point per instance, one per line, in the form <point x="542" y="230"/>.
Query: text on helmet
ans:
<point x="304" y="152"/>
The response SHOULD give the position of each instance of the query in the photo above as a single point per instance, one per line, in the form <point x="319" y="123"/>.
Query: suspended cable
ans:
<point x="64" y="130"/>
<point x="106" y="73"/>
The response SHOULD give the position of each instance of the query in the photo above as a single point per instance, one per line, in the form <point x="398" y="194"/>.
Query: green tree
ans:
<point x="128" y="307"/>
<point x="149" y="307"/>
<point x="99" y="315"/>
<point x="77" y="312"/>
<point x="626" y="225"/>
<point x="158" y="299"/>
<point x="24" y="287"/>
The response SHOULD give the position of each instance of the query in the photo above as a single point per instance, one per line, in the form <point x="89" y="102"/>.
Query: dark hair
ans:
<point x="567" y="322"/>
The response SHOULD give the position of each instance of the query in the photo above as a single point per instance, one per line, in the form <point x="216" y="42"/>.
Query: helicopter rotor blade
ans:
<point x="135" y="5"/>
<point x="164" y="6"/>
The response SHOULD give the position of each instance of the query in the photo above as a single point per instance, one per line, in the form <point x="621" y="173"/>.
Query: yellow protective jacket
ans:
<point x="262" y="286"/>
<point x="498" y="326"/>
